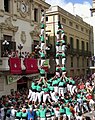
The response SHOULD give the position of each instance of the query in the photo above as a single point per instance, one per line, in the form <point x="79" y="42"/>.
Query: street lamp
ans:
<point x="6" y="47"/>
<point x="20" y="46"/>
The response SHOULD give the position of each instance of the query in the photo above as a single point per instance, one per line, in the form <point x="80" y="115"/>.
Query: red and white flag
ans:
<point x="31" y="65"/>
<point x="15" y="65"/>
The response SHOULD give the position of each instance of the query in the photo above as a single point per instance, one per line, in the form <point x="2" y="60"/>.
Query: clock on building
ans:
<point x="23" y="7"/>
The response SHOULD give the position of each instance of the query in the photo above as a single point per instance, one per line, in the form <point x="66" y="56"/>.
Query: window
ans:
<point x="77" y="61"/>
<point x="86" y="31"/>
<point x="36" y="15"/>
<point x="87" y="63"/>
<point x="82" y="29"/>
<point x="71" y="61"/>
<point x="83" y="47"/>
<point x="70" y="23"/>
<point x="63" y="20"/>
<point x="6" y="5"/>
<point x="77" y="44"/>
<point x="87" y="46"/>
<point x="77" y="27"/>
<point x="82" y="62"/>
<point x="71" y="42"/>
<point x="11" y="46"/>
<point x="46" y="18"/>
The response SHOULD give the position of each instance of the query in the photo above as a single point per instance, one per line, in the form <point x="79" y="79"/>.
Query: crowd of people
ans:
<point x="53" y="99"/>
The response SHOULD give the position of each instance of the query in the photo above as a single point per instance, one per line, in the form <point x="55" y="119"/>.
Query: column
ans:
<point x="2" y="8"/>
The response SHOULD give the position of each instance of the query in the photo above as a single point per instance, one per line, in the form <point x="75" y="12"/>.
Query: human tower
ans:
<point x="45" y="92"/>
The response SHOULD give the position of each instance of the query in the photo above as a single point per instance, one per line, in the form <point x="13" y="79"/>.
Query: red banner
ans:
<point x="15" y="65"/>
<point x="31" y="65"/>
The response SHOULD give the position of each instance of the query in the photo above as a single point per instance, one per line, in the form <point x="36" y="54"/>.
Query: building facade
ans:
<point x="78" y="36"/>
<point x="19" y="24"/>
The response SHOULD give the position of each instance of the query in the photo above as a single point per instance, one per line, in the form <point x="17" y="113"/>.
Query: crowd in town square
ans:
<point x="55" y="99"/>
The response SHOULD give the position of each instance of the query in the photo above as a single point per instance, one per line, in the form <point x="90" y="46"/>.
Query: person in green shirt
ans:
<point x="63" y="56"/>
<point x="55" y="85"/>
<point x="42" y="28"/>
<point x="63" y="45"/>
<point x="42" y="113"/>
<point x="62" y="111"/>
<point x="24" y="114"/>
<point x="45" y="93"/>
<point x="57" y="45"/>
<point x="57" y="58"/>
<point x="62" y="34"/>
<point x="42" y="72"/>
<point x="61" y="87"/>
<point x="68" y="112"/>
<point x="18" y="114"/>
<point x="39" y="93"/>
<point x="34" y="87"/>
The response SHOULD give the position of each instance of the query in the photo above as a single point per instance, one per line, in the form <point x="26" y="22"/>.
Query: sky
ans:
<point x="79" y="7"/>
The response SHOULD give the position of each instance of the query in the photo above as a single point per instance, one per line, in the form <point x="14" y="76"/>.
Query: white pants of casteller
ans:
<point x="42" y="62"/>
<point x="73" y="89"/>
<point x="42" y="19"/>
<point x="30" y="93"/>
<point x="63" y="61"/>
<point x="61" y="91"/>
<point x="78" y="117"/>
<point x="42" y="118"/>
<point x="42" y="31"/>
<point x="62" y="36"/>
<point x="63" y="47"/>
<point x="57" y="48"/>
<point x="70" y="87"/>
<point x="58" y="74"/>
<point x="39" y="94"/>
<point x="57" y="35"/>
<point x="34" y="96"/>
<point x="45" y="96"/>
<point x="42" y="46"/>
<point x="57" y="61"/>
<point x="56" y="89"/>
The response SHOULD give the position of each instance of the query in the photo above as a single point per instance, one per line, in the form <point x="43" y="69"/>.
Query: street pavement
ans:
<point x="90" y="114"/>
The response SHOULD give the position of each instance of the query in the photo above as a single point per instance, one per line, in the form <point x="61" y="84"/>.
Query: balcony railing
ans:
<point x="79" y="52"/>
<point x="4" y="65"/>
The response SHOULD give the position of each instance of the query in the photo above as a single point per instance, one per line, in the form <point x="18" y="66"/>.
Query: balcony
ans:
<point x="72" y="51"/>
<point x="4" y="65"/>
<point x="79" y="52"/>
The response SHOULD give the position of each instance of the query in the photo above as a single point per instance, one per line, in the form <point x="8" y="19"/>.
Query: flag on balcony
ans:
<point x="31" y="65"/>
<point x="15" y="65"/>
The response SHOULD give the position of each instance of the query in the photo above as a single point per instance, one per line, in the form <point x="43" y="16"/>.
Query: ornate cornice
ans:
<point x="8" y="25"/>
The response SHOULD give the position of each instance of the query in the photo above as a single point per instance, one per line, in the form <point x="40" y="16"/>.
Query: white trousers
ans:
<point x="63" y="47"/>
<point x="62" y="36"/>
<point x="42" y="62"/>
<point x="42" y="31"/>
<point x="63" y="61"/>
<point x="45" y="96"/>
<point x="42" y="46"/>
<point x="56" y="89"/>
<point x="61" y="91"/>
<point x="57" y="61"/>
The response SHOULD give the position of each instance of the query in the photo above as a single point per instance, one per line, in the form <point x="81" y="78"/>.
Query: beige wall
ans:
<point x="81" y="33"/>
